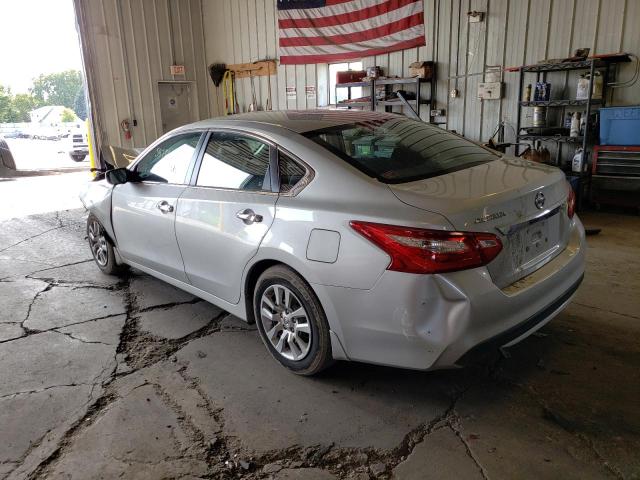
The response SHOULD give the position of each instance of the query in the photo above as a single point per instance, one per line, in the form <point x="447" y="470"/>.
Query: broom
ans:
<point x="216" y="72"/>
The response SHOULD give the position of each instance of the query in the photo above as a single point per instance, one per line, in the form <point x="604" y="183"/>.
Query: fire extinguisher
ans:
<point x="124" y="124"/>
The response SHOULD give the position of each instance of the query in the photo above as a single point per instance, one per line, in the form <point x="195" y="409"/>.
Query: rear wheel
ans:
<point x="77" y="158"/>
<point x="291" y="322"/>
<point x="102" y="249"/>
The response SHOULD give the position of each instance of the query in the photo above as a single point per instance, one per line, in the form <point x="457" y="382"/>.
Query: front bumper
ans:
<point x="431" y="321"/>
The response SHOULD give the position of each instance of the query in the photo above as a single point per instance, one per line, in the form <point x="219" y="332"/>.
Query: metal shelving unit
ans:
<point x="559" y="103"/>
<point x="552" y="138"/>
<point x="541" y="70"/>
<point x="374" y="102"/>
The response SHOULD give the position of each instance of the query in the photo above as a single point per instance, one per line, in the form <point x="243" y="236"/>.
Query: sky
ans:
<point x="36" y="36"/>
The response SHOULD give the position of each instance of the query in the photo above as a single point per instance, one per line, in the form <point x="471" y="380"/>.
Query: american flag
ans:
<point x="322" y="31"/>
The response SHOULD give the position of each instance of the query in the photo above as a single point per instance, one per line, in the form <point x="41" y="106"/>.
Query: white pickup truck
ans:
<point x="78" y="147"/>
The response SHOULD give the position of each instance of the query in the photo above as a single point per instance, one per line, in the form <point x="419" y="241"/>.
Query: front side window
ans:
<point x="399" y="150"/>
<point x="169" y="162"/>
<point x="236" y="162"/>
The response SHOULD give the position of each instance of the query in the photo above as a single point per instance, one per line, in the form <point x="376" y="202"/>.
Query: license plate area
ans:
<point x="535" y="242"/>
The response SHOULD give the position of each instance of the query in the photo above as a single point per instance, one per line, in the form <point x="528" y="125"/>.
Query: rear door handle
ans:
<point x="164" y="206"/>
<point x="248" y="216"/>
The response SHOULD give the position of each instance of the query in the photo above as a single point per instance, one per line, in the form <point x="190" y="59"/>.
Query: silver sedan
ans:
<point x="347" y="235"/>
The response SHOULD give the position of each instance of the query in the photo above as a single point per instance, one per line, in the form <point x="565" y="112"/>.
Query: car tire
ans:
<point x="77" y="158"/>
<point x="317" y="355"/>
<point x="102" y="248"/>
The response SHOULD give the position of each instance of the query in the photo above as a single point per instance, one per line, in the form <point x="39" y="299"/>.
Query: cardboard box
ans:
<point x="422" y="70"/>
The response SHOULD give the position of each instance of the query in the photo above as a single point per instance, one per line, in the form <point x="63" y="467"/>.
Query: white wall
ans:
<point x="514" y="32"/>
<point x="128" y="46"/>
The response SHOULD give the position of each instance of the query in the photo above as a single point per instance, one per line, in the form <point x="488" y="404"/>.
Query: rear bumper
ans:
<point x="434" y="321"/>
<point x="522" y="330"/>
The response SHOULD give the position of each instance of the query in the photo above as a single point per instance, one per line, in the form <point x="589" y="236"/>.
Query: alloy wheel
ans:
<point x="285" y="322"/>
<point x="98" y="243"/>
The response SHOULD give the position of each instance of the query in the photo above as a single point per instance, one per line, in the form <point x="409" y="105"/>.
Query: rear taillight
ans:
<point x="571" y="202"/>
<point x="417" y="250"/>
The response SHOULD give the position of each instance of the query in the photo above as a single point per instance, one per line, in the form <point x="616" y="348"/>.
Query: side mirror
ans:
<point x="118" y="176"/>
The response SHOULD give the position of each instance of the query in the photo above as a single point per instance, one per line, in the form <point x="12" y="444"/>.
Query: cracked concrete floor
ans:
<point x="103" y="377"/>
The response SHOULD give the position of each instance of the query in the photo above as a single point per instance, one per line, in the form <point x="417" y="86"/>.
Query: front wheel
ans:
<point x="101" y="248"/>
<point x="77" y="158"/>
<point x="291" y="321"/>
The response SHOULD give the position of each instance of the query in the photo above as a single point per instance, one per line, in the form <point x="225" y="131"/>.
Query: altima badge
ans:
<point x="489" y="217"/>
<point x="539" y="200"/>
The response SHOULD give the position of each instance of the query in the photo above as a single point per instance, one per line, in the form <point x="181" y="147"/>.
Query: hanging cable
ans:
<point x="632" y="80"/>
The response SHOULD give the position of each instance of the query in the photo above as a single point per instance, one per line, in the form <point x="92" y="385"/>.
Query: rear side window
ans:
<point x="236" y="162"/>
<point x="400" y="150"/>
<point x="291" y="172"/>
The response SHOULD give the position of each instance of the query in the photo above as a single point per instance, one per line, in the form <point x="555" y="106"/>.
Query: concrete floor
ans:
<point x="101" y="378"/>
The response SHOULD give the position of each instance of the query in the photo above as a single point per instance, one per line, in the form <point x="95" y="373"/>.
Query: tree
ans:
<point x="80" y="104"/>
<point x="23" y="103"/>
<point x="6" y="105"/>
<point x="57" y="88"/>
<point x="68" y="115"/>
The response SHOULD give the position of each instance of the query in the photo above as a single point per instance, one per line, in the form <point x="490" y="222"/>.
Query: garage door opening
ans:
<point x="43" y="109"/>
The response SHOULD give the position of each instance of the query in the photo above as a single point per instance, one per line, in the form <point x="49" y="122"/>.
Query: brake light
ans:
<point x="417" y="250"/>
<point x="571" y="202"/>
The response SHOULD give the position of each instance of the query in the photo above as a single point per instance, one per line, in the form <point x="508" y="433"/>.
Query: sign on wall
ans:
<point x="310" y="91"/>
<point x="177" y="69"/>
<point x="291" y="93"/>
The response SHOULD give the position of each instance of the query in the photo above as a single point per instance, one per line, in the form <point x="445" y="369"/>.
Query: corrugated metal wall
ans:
<point x="238" y="31"/>
<point x="514" y="32"/>
<point x="128" y="46"/>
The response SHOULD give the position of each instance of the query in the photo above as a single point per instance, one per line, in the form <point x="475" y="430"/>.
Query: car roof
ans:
<point x="299" y="121"/>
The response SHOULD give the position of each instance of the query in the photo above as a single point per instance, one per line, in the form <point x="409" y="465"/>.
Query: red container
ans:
<point x="349" y="76"/>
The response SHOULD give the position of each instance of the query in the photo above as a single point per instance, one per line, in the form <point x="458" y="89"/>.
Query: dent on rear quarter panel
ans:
<point x="96" y="198"/>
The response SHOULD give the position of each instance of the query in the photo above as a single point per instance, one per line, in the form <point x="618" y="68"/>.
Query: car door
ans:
<point x="223" y="216"/>
<point x="144" y="212"/>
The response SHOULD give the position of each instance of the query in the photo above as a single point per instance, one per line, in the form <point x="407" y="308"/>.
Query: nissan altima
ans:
<point x="346" y="235"/>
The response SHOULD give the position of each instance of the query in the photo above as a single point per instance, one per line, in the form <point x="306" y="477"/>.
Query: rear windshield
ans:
<point x="400" y="150"/>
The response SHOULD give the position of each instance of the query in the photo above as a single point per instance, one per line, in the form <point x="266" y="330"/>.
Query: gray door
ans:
<point x="222" y="219"/>
<point x="144" y="212"/>
<point x="176" y="105"/>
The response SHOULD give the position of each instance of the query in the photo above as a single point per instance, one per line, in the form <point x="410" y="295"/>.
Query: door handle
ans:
<point x="164" y="206"/>
<point x="248" y="216"/>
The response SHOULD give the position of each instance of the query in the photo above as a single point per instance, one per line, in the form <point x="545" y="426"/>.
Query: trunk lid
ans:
<point x="522" y="202"/>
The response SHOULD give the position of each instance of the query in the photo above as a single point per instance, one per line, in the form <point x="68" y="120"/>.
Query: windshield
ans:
<point x="400" y="150"/>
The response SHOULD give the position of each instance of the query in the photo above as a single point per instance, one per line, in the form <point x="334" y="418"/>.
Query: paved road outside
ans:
<point x="46" y="179"/>
<point x="30" y="154"/>
<point x="103" y="377"/>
